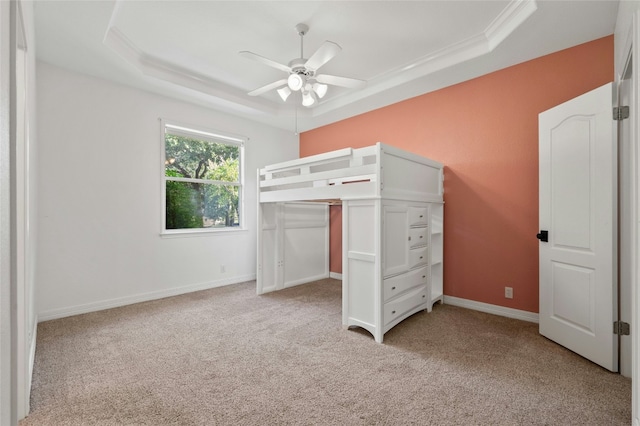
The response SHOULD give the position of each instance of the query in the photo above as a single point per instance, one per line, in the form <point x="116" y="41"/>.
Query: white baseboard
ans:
<point x="335" y="276"/>
<point x="305" y="280"/>
<point x="137" y="298"/>
<point x="492" y="309"/>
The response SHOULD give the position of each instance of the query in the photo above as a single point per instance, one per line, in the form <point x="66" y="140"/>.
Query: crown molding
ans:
<point x="231" y="98"/>
<point x="151" y="66"/>
<point x="508" y="20"/>
<point x="511" y="17"/>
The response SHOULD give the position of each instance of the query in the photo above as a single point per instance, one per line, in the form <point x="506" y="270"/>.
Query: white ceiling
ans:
<point x="189" y="49"/>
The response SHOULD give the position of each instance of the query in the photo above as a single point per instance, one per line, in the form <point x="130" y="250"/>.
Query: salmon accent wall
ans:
<point x="485" y="132"/>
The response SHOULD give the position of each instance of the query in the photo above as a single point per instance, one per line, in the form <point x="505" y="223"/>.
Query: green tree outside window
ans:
<point x="202" y="183"/>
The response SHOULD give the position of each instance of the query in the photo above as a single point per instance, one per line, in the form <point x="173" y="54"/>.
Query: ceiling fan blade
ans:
<point x="325" y="52"/>
<point x="266" y="61"/>
<point x="268" y="87"/>
<point x="334" y="80"/>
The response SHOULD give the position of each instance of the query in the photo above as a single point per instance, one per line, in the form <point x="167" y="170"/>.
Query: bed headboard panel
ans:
<point x="407" y="176"/>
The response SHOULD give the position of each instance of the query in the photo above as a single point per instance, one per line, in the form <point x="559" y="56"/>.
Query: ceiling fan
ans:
<point x="302" y="72"/>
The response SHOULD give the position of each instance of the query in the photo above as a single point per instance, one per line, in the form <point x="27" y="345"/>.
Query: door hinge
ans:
<point x="621" y="328"/>
<point x="620" y="113"/>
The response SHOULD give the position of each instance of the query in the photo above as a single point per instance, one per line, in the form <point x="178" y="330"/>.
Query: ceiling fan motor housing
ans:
<point x="297" y="67"/>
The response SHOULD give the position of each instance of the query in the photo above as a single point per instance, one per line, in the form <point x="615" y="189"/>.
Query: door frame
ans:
<point x="633" y="50"/>
<point x="630" y="43"/>
<point x="25" y="315"/>
<point x="8" y="312"/>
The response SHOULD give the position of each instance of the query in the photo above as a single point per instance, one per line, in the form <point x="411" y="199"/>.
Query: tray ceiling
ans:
<point x="189" y="49"/>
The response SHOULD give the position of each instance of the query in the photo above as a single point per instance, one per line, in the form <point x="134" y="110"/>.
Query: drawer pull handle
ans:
<point x="424" y="276"/>
<point x="420" y="257"/>
<point x="420" y="216"/>
<point x="423" y="296"/>
<point x="393" y="312"/>
<point x="409" y="237"/>
<point x="420" y="236"/>
<point x="393" y="288"/>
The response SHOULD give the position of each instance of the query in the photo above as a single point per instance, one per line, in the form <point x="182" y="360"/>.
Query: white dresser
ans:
<point x="410" y="278"/>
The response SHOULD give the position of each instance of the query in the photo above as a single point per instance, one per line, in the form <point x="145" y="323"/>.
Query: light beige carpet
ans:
<point x="228" y="357"/>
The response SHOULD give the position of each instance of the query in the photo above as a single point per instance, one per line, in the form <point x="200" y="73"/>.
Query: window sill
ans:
<point x="182" y="233"/>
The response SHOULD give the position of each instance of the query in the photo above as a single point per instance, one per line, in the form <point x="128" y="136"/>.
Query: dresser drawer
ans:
<point x="418" y="216"/>
<point x="418" y="256"/>
<point x="400" y="283"/>
<point x="403" y="304"/>
<point x="418" y="236"/>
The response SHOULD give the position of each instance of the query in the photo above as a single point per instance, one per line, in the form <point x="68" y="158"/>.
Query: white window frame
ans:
<point x="202" y="133"/>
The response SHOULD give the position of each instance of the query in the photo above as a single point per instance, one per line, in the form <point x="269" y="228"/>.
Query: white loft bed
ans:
<point x="392" y="224"/>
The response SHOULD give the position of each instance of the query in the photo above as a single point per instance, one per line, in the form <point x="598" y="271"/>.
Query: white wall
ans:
<point x="99" y="197"/>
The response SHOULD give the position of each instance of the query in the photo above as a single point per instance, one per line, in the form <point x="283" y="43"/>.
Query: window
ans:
<point x="202" y="180"/>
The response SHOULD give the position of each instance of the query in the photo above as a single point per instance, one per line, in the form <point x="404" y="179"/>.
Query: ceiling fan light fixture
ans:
<point x="284" y="93"/>
<point x="320" y="89"/>
<point x="308" y="98"/>
<point x="295" y="82"/>
<point x="302" y="74"/>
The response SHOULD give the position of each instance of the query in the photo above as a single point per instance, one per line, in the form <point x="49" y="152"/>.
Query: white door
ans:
<point x="578" y="273"/>
<point x="395" y="219"/>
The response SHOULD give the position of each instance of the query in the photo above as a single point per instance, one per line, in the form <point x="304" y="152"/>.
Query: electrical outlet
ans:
<point x="223" y="269"/>
<point x="508" y="292"/>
